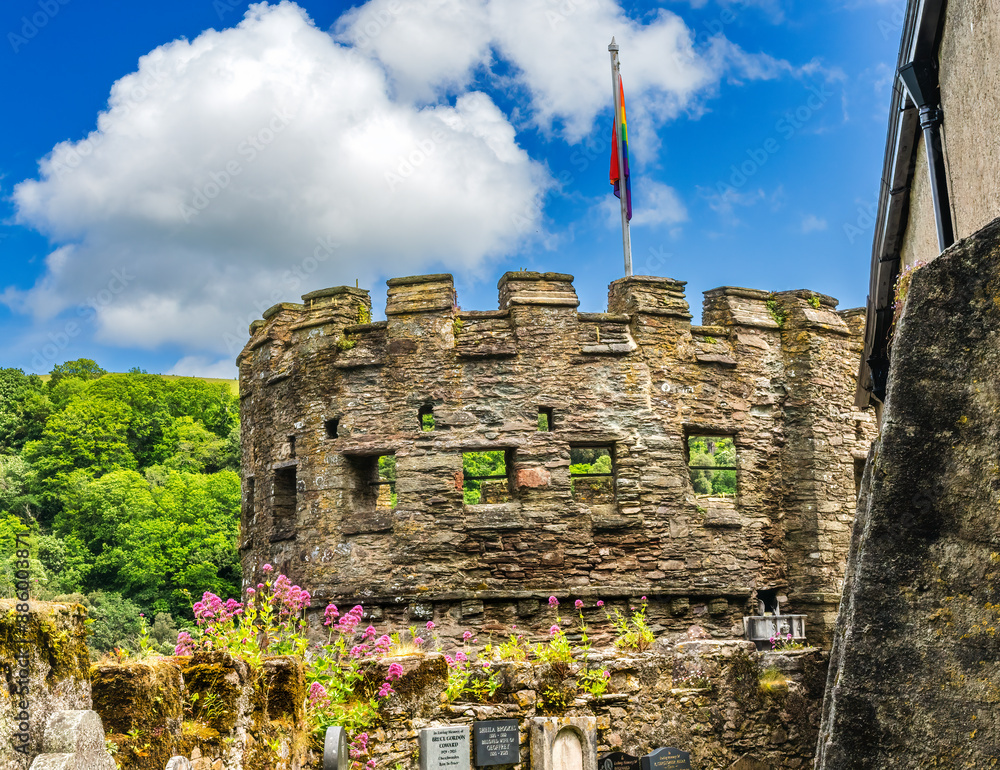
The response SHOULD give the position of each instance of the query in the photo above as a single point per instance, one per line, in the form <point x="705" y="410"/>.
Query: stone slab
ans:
<point x="445" y="748"/>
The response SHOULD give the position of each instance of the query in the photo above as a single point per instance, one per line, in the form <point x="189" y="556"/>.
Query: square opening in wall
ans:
<point x="284" y="501"/>
<point x="545" y="419"/>
<point x="375" y="482"/>
<point x="486" y="477"/>
<point x="331" y="426"/>
<point x="712" y="465"/>
<point x="426" y="417"/>
<point x="592" y="474"/>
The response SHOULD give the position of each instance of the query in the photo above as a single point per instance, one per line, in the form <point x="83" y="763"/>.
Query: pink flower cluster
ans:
<point x="185" y="644"/>
<point x="349" y="622"/>
<point x="553" y="601"/>
<point x="330" y="615"/>
<point x="317" y="694"/>
<point x="290" y="598"/>
<point x="359" y="746"/>
<point x="212" y="608"/>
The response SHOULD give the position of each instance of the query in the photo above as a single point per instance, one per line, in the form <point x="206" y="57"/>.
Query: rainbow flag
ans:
<point x="615" y="175"/>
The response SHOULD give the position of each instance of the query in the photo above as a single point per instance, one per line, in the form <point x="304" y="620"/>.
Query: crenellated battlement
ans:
<point x="642" y="310"/>
<point x="326" y="392"/>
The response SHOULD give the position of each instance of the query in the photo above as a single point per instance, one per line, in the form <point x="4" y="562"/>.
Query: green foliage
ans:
<point x="493" y="463"/>
<point x="595" y="681"/>
<point x="633" y="633"/>
<point x="814" y="301"/>
<point x="80" y="369"/>
<point x="116" y="622"/>
<point x="345" y="344"/>
<point x="24" y="407"/>
<point x="708" y="451"/>
<point x="126" y="483"/>
<point x="777" y="311"/>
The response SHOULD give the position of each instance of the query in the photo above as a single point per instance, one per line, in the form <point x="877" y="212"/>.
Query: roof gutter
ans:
<point x="920" y="40"/>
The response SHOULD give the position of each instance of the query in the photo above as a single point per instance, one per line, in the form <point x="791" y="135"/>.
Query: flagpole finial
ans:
<point x="614" y="45"/>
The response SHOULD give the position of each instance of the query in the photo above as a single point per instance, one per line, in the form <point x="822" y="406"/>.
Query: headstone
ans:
<point x="666" y="759"/>
<point x="178" y="762"/>
<point x="564" y="743"/>
<point x="335" y="753"/>
<point x="497" y="742"/>
<point x="444" y="748"/>
<point x="617" y="760"/>
<point x="567" y="751"/>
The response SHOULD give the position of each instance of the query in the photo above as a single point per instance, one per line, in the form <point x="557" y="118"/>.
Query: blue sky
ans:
<point x="169" y="170"/>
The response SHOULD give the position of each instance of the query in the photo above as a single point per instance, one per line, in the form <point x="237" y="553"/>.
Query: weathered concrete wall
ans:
<point x="638" y="379"/>
<point x="914" y="678"/>
<point x="969" y="72"/>
<point x="43" y="669"/>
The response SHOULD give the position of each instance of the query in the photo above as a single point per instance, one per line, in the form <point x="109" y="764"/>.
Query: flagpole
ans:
<point x="616" y="89"/>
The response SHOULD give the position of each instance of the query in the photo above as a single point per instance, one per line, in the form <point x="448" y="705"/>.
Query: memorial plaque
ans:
<point x="335" y="754"/>
<point x="497" y="742"/>
<point x="444" y="748"/>
<point x="666" y="759"/>
<point x="617" y="760"/>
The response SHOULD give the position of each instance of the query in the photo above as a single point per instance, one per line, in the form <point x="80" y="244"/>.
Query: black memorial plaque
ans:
<point x="667" y="759"/>
<point x="617" y="760"/>
<point x="497" y="742"/>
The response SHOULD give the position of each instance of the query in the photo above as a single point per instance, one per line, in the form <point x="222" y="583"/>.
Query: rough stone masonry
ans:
<point x="325" y="392"/>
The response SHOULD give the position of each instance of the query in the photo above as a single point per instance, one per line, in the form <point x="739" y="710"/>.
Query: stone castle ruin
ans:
<point x="355" y="434"/>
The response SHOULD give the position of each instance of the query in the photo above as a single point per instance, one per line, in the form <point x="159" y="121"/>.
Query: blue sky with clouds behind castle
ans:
<point x="168" y="171"/>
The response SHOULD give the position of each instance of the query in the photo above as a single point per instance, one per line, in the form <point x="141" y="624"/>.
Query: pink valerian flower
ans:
<point x="466" y="636"/>
<point x="418" y="641"/>
<point x="331" y="614"/>
<point x="394" y="673"/>
<point x="359" y="650"/>
<point x="383" y="643"/>
<point x="554" y="630"/>
<point x="317" y="693"/>
<point x="642" y="599"/>
<point x="600" y="602"/>
<point x="607" y="674"/>
<point x="460" y="656"/>
<point x="251" y="592"/>
<point x="430" y="625"/>
<point x="553" y="601"/>
<point x="386" y="690"/>
<point x="185" y="644"/>
<point x="370" y="632"/>
<point x="450" y="661"/>
<point x="267" y="568"/>
<point x="578" y="604"/>
<point x="370" y="764"/>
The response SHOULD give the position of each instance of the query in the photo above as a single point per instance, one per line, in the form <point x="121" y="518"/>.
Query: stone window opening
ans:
<point x="425" y="415"/>
<point x="712" y="465"/>
<point x="592" y="474"/>
<point x="291" y="446"/>
<point x="332" y="427"/>
<point x="284" y="503"/>
<point x="376" y="482"/>
<point x="486" y="477"/>
<point x="767" y="602"/>
<point x="546" y="421"/>
<point x="248" y="502"/>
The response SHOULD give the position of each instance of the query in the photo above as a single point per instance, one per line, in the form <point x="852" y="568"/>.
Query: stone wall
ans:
<point x="721" y="715"/>
<point x="914" y="678"/>
<point x="324" y="391"/>
<point x="43" y="669"/>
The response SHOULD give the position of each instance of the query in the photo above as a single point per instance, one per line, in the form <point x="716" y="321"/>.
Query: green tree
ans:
<point x="80" y="369"/>
<point x="24" y="407"/>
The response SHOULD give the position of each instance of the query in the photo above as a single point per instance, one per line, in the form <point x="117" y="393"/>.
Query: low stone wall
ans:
<point x="731" y="716"/>
<point x="218" y="711"/>
<point x="43" y="669"/>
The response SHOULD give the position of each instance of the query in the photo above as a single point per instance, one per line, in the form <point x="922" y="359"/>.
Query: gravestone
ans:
<point x="617" y="760"/>
<point x="444" y="748"/>
<point x="335" y="754"/>
<point x="666" y="759"/>
<point x="497" y="742"/>
<point x="567" y="750"/>
<point x="564" y="743"/>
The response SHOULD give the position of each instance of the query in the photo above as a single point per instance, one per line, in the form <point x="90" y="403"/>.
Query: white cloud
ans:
<point x="812" y="223"/>
<point x="653" y="203"/>
<point x="202" y="366"/>
<point x="558" y="54"/>
<point x="249" y="165"/>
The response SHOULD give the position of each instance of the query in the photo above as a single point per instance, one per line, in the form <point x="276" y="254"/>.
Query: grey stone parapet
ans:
<point x="74" y="740"/>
